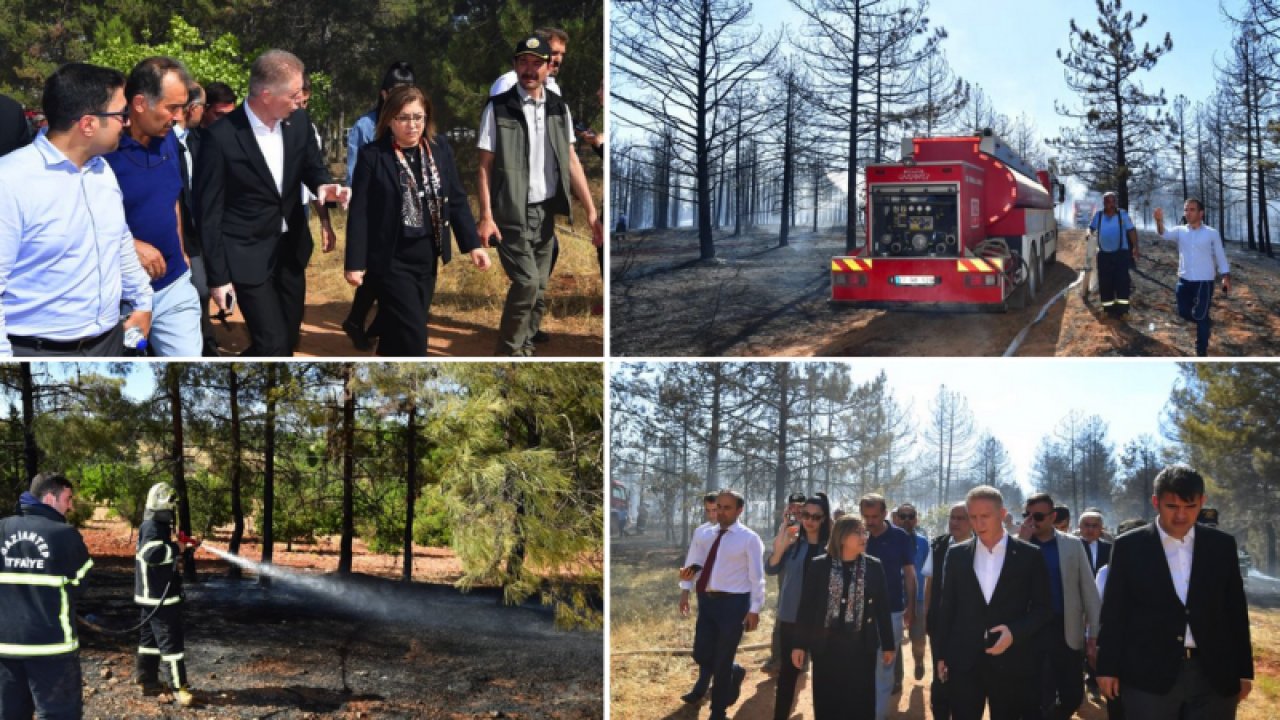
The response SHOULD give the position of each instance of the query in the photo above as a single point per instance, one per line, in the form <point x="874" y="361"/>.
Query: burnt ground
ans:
<point x="364" y="647"/>
<point x="757" y="299"/>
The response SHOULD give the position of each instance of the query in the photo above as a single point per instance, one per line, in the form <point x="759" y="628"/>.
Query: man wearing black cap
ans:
<point x="527" y="172"/>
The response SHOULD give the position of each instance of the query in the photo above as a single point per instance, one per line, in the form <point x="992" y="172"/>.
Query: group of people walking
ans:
<point x="147" y="196"/>
<point x="1018" y="623"/>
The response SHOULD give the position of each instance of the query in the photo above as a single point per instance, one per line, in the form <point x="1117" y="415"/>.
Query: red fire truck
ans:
<point x="619" y="508"/>
<point x="960" y="222"/>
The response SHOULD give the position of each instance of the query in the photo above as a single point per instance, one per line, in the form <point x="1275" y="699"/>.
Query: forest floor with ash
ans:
<point x="316" y="646"/>
<point x="651" y="666"/>
<point x="758" y="299"/>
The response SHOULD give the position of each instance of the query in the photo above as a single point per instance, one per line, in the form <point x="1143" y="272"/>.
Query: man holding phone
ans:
<point x="995" y="600"/>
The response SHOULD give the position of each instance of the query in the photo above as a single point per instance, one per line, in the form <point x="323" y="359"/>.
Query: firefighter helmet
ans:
<point x="161" y="497"/>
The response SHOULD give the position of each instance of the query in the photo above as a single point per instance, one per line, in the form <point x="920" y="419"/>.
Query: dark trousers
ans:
<point x="273" y="310"/>
<point x="1113" y="280"/>
<point x="362" y="303"/>
<point x="49" y="685"/>
<point x="201" y="281"/>
<point x="715" y="641"/>
<point x="939" y="701"/>
<point x="404" y="293"/>
<point x="1009" y="697"/>
<point x="1194" y="298"/>
<point x="161" y="642"/>
<point x="788" y="673"/>
<point x="1192" y="698"/>
<point x="1062" y="687"/>
<point x="844" y="679"/>
<point x="110" y="344"/>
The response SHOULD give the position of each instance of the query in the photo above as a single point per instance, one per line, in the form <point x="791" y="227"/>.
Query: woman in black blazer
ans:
<point x="406" y="201"/>
<point x="843" y="617"/>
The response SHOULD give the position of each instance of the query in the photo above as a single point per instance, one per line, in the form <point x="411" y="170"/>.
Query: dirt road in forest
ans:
<point x="758" y="299"/>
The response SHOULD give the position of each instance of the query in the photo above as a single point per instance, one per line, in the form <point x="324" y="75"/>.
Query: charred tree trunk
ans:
<point x="788" y="160"/>
<point x="237" y="511"/>
<point x="782" y="472"/>
<point x="173" y="388"/>
<point x="348" y="469"/>
<point x="411" y="482"/>
<point x="269" y="470"/>
<point x="30" y="450"/>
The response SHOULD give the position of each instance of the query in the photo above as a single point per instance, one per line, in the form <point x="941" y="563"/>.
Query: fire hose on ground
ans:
<point x="84" y="619"/>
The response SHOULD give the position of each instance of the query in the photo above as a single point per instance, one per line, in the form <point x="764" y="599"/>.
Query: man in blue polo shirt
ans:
<point x="66" y="253"/>
<point x="895" y="551"/>
<point x="148" y="167"/>
<point x="1117" y="250"/>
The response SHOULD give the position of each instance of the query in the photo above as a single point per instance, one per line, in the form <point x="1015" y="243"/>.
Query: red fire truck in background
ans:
<point x="619" y="508"/>
<point x="959" y="222"/>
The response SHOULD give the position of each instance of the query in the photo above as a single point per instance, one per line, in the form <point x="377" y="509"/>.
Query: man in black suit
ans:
<point x="1175" y="623"/>
<point x="995" y="600"/>
<point x="15" y="131"/>
<point x="958" y="531"/>
<point x="1096" y="549"/>
<point x="250" y="168"/>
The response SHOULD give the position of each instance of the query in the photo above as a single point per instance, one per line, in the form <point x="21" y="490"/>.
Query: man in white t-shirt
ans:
<point x="1200" y="259"/>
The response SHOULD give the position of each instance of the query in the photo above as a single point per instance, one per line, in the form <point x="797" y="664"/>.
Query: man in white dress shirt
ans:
<point x="726" y="565"/>
<point x="1200" y="259"/>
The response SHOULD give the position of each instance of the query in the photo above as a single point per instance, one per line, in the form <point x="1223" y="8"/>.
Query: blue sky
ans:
<point x="1022" y="400"/>
<point x="1009" y="47"/>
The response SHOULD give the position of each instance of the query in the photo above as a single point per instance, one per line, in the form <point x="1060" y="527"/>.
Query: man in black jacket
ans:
<point x="995" y="600"/>
<point x="958" y="530"/>
<point x="249" y="171"/>
<point x="157" y="589"/>
<point x="1175" y="623"/>
<point x="15" y="131"/>
<point x="44" y="561"/>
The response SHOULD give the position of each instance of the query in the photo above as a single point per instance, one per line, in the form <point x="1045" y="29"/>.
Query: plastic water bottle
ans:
<point x="135" y="342"/>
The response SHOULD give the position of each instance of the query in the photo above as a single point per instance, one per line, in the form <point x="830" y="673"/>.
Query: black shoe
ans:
<point x="735" y="690"/>
<point x="693" y="697"/>
<point x="541" y="337"/>
<point x="919" y="671"/>
<point x="357" y="335"/>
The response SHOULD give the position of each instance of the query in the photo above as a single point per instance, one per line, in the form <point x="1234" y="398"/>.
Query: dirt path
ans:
<point x="761" y="300"/>
<point x="452" y="333"/>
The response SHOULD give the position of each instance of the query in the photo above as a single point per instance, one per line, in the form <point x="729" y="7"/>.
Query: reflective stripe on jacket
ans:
<point x="44" y="560"/>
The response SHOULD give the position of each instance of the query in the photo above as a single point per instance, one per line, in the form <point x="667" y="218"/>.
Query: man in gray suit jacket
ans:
<point x="1076" y="606"/>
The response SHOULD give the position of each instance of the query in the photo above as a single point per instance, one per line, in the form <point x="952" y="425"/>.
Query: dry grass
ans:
<point x="1264" y="702"/>
<point x="576" y="284"/>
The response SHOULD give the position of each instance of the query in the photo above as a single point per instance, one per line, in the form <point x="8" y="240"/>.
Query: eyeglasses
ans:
<point x="907" y="516"/>
<point x="1037" y="516"/>
<point x="121" y="115"/>
<point x="812" y="516"/>
<point x="407" y="119"/>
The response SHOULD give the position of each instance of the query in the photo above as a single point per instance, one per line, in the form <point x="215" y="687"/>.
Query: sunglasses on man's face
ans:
<point x="121" y="115"/>
<point x="1037" y="516"/>
<point x="907" y="516"/>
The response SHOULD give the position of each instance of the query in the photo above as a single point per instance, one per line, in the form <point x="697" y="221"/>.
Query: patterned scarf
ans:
<point x="857" y="591"/>
<point x="411" y="205"/>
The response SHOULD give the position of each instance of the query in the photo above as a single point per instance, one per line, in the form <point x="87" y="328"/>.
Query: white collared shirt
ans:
<point x="699" y="545"/>
<point x="739" y="566"/>
<point x="1092" y="547"/>
<point x="987" y="564"/>
<point x="1200" y="252"/>
<point x="1178" y="554"/>
<point x="271" y="143"/>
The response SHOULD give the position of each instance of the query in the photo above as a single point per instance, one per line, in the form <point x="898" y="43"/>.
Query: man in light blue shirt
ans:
<point x="67" y="258"/>
<point x="1117" y="250"/>
<point x="1200" y="259"/>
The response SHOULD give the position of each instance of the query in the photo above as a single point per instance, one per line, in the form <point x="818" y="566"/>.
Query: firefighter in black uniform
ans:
<point x="45" y="560"/>
<point x="157" y="589"/>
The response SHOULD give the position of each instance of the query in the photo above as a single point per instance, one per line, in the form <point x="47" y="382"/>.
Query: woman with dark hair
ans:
<point x="793" y="547"/>
<point x="843" y="619"/>
<point x="406" y="201"/>
<point x="400" y="73"/>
